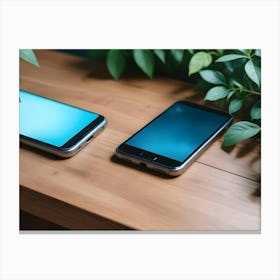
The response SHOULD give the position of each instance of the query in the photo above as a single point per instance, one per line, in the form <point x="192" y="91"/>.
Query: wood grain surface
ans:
<point x="218" y="192"/>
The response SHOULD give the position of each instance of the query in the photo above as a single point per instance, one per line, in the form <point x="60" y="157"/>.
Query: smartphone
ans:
<point x="174" y="139"/>
<point x="55" y="127"/>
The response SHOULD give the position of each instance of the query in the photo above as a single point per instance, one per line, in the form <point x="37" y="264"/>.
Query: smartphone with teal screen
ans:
<point x="56" y="127"/>
<point x="174" y="139"/>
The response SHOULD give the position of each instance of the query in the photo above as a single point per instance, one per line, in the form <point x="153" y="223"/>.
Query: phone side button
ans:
<point x="90" y="138"/>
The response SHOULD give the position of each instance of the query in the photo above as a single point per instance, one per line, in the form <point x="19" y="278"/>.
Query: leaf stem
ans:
<point x="252" y="91"/>
<point x="245" y="90"/>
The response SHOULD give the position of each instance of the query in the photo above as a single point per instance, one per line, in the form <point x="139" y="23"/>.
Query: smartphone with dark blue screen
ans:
<point x="56" y="127"/>
<point x="174" y="139"/>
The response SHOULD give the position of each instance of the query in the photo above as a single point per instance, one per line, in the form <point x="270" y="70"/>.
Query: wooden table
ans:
<point x="90" y="191"/>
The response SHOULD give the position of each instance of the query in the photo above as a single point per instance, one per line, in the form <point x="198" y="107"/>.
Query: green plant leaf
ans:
<point x="230" y="94"/>
<point x="253" y="72"/>
<point x="161" y="55"/>
<point x="239" y="132"/>
<point x="242" y="50"/>
<point x="255" y="112"/>
<point x="216" y="93"/>
<point x="177" y="55"/>
<point x="235" y="105"/>
<point x="213" y="77"/>
<point x="229" y="57"/>
<point x="199" y="61"/>
<point x="115" y="63"/>
<point x="257" y="53"/>
<point x="145" y="60"/>
<point x="29" y="56"/>
<point x="229" y="66"/>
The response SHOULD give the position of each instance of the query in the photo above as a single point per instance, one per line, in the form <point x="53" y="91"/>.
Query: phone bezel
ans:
<point x="166" y="164"/>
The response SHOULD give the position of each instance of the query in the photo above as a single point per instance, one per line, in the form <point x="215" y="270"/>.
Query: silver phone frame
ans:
<point x="150" y="164"/>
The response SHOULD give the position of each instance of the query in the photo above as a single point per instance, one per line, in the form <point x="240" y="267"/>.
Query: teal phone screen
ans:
<point x="50" y="121"/>
<point x="179" y="131"/>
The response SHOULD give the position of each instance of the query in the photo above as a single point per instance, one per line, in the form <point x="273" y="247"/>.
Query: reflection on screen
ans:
<point x="178" y="132"/>
<point x="49" y="121"/>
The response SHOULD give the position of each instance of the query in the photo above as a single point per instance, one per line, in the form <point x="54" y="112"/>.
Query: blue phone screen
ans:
<point x="50" y="121"/>
<point x="179" y="131"/>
